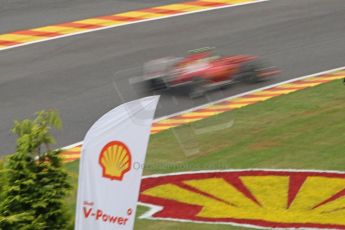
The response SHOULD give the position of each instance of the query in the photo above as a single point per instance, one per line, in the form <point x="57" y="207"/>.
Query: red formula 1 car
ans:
<point x="202" y="71"/>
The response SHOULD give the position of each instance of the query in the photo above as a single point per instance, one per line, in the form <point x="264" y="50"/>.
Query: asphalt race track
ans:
<point x="85" y="76"/>
<point x="22" y="14"/>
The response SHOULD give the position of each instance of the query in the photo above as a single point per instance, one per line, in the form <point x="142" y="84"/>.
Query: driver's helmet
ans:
<point x="198" y="54"/>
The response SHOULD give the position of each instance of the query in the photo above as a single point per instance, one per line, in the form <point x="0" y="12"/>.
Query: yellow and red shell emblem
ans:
<point x="256" y="198"/>
<point x="115" y="160"/>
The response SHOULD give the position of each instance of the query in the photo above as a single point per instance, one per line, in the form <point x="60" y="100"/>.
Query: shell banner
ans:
<point x="108" y="184"/>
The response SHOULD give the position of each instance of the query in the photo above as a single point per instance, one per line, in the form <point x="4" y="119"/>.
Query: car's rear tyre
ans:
<point x="157" y="84"/>
<point x="198" y="88"/>
<point x="250" y="72"/>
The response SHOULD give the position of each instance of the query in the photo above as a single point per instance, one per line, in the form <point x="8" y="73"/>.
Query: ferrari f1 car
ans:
<point x="202" y="71"/>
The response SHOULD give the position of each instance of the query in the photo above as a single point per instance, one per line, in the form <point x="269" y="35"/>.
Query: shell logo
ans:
<point x="252" y="198"/>
<point x="115" y="160"/>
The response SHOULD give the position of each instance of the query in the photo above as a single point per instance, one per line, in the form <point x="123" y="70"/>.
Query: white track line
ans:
<point x="129" y="23"/>
<point x="232" y="97"/>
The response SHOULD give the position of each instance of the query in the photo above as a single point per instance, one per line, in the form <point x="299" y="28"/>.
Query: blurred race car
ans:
<point x="202" y="71"/>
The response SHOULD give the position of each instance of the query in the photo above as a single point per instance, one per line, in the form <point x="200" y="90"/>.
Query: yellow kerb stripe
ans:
<point x="162" y="127"/>
<point x="181" y="7"/>
<point x="102" y="22"/>
<point x="225" y="107"/>
<point x="205" y="114"/>
<point x="335" y="77"/>
<point x="140" y="14"/>
<point x="230" y="2"/>
<point x="267" y="92"/>
<point x="240" y="1"/>
<point x="252" y="99"/>
<point x="183" y="121"/>
<point x="59" y="29"/>
<point x="308" y="84"/>
<point x="235" y="106"/>
<point x="19" y="38"/>
<point x="290" y="85"/>
<point x="326" y="79"/>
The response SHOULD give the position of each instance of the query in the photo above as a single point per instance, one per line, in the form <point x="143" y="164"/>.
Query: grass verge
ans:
<point x="302" y="130"/>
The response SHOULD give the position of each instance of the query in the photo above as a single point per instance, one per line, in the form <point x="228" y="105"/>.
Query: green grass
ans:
<point x="302" y="130"/>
